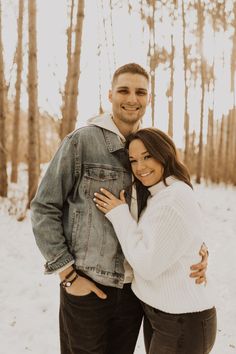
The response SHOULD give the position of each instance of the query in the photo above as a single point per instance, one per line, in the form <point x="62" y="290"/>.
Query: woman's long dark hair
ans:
<point x="162" y="148"/>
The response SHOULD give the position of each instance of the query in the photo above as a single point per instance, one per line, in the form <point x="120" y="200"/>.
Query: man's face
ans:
<point x="129" y="97"/>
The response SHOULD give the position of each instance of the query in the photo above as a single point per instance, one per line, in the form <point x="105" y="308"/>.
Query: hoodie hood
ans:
<point x="105" y="121"/>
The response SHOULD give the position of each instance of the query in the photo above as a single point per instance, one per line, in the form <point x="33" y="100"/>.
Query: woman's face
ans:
<point x="145" y="168"/>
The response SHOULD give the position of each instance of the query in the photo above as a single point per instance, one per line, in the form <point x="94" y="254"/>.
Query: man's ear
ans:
<point x="110" y="95"/>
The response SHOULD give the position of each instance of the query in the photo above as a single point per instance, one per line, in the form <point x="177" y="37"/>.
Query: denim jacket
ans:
<point x="66" y="223"/>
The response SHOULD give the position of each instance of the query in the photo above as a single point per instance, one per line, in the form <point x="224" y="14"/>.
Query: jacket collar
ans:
<point x="113" y="137"/>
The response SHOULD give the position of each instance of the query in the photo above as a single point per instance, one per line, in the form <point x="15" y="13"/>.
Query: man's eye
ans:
<point x="141" y="93"/>
<point x="123" y="91"/>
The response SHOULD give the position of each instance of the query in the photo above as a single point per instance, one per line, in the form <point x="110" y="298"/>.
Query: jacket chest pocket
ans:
<point x="96" y="178"/>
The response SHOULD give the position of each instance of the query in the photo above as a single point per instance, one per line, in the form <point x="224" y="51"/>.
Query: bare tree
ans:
<point x="33" y="125"/>
<point x="112" y="33"/>
<point x="16" y="123"/>
<point x="209" y="169"/>
<point x="65" y="107"/>
<point x="75" y="73"/>
<point x="170" y="91"/>
<point x="186" y="114"/>
<point x="220" y="152"/>
<point x="232" y="147"/>
<point x="203" y="76"/>
<point x="152" y="54"/>
<point x="3" y="152"/>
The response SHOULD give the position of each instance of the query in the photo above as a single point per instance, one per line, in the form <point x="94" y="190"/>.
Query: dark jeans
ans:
<point x="90" y="325"/>
<point x="188" y="333"/>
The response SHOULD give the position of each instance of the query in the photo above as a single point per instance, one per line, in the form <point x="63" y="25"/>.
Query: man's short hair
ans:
<point x="131" y="68"/>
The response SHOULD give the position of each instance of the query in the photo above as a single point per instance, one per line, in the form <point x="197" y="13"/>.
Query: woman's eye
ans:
<point x="147" y="157"/>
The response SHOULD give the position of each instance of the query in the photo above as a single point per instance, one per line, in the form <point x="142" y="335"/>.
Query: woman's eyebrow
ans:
<point x="142" y="153"/>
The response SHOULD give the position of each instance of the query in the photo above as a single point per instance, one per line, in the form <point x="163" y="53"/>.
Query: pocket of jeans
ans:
<point x="77" y="298"/>
<point x="209" y="332"/>
<point x="73" y="295"/>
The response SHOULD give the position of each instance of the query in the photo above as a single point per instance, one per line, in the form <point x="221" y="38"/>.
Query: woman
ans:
<point x="161" y="246"/>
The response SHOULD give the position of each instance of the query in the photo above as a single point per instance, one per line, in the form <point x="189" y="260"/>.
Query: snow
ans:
<point x="29" y="300"/>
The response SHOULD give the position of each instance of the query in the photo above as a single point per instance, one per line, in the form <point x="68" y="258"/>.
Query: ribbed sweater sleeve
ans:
<point x="156" y="242"/>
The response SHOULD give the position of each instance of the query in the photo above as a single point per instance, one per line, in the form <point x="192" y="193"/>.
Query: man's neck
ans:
<point x="126" y="129"/>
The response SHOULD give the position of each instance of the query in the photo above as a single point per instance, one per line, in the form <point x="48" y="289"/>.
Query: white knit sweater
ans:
<point x="162" y="246"/>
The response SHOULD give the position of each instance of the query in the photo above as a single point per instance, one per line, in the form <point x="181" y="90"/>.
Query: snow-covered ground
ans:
<point x="29" y="299"/>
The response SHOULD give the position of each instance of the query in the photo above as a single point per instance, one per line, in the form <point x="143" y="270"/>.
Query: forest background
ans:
<point x="56" y="64"/>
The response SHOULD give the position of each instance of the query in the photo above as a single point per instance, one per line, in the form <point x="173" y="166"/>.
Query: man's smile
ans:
<point x="130" y="108"/>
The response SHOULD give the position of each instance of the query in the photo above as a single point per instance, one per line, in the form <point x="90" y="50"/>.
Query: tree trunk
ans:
<point x="75" y="74"/>
<point x="76" y="67"/>
<point x="152" y="59"/>
<point x="170" y="92"/>
<point x="209" y="160"/>
<point x="233" y="110"/>
<point x="203" y="76"/>
<point x="112" y="33"/>
<point x="66" y="96"/>
<point x="221" y="144"/>
<point x="228" y="145"/>
<point x="19" y="62"/>
<point x="186" y="115"/>
<point x="33" y="124"/>
<point x="3" y="152"/>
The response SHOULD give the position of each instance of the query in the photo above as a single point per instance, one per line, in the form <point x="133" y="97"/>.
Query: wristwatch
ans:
<point x="66" y="283"/>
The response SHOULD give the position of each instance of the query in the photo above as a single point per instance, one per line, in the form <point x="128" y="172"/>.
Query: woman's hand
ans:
<point x="107" y="201"/>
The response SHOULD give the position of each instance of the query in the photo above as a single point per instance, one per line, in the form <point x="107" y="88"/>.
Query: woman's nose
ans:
<point x="140" y="165"/>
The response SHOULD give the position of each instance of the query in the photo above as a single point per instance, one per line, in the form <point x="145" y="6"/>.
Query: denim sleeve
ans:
<point x="47" y="206"/>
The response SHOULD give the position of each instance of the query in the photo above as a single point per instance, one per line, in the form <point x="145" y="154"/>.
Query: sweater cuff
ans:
<point x="117" y="213"/>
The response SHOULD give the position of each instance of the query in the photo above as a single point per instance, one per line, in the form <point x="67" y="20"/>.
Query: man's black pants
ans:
<point x="90" y="325"/>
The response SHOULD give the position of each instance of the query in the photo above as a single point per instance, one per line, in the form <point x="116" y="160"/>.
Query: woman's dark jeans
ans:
<point x="187" y="333"/>
<point x="90" y="325"/>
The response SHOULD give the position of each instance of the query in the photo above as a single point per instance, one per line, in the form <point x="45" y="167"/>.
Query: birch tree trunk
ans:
<point x="16" y="123"/>
<point x="33" y="124"/>
<point x="3" y="152"/>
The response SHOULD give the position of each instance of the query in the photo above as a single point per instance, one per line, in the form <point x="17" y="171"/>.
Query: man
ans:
<point x="99" y="314"/>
